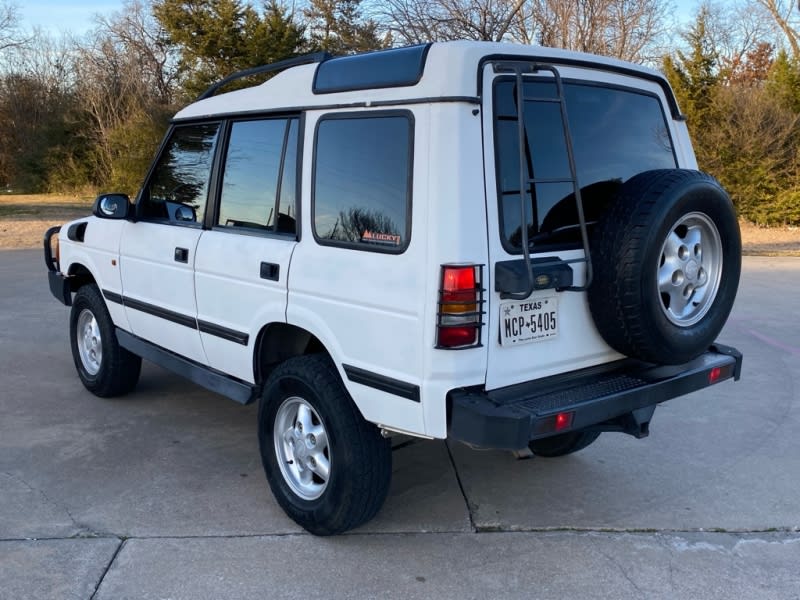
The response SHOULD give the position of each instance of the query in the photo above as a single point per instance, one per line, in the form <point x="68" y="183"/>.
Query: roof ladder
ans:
<point x="526" y="183"/>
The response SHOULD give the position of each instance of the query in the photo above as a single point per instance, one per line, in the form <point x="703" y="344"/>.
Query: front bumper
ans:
<point x="616" y="397"/>
<point x="59" y="285"/>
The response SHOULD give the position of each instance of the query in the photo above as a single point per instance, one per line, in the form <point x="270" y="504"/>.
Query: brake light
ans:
<point x="714" y="375"/>
<point x="460" y="315"/>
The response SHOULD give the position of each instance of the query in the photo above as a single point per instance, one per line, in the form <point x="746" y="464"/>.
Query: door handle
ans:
<point x="270" y="271"/>
<point x="182" y="255"/>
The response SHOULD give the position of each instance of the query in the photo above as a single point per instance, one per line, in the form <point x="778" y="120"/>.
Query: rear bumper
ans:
<point x="616" y="397"/>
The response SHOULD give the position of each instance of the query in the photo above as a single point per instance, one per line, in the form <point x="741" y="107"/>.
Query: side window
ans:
<point x="259" y="180"/>
<point x="617" y="133"/>
<point x="177" y="190"/>
<point x="362" y="181"/>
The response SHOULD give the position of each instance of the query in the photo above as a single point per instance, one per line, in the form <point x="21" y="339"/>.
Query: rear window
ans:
<point x="362" y="181"/>
<point x="616" y="132"/>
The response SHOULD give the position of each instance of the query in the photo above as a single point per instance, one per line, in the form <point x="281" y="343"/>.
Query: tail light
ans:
<point x="460" y="316"/>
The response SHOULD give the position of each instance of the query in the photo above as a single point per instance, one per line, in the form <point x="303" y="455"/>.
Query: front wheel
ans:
<point x="105" y="368"/>
<point x="328" y="468"/>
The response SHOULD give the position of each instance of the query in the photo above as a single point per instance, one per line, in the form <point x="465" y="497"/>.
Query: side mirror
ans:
<point x="111" y="206"/>
<point x="185" y="214"/>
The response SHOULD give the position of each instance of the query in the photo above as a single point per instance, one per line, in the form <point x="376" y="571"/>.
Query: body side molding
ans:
<point x="382" y="383"/>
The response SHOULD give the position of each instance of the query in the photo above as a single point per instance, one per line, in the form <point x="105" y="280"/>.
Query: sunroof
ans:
<point x="383" y="69"/>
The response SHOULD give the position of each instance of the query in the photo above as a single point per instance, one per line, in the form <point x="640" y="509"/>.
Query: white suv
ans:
<point x="503" y="245"/>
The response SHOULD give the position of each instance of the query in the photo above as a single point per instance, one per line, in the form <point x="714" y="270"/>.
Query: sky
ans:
<point x="57" y="16"/>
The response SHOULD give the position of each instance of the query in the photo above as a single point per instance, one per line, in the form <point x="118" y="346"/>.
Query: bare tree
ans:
<point x="786" y="17"/>
<point x="418" y="21"/>
<point x="126" y="74"/>
<point x="627" y="29"/>
<point x="35" y="95"/>
<point x="135" y="31"/>
<point x="10" y="36"/>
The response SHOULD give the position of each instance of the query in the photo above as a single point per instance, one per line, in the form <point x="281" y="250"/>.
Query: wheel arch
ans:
<point x="277" y="342"/>
<point x="78" y="276"/>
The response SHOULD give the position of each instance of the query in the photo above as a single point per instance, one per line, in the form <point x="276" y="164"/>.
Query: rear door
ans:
<point x="617" y="132"/>
<point x="242" y="264"/>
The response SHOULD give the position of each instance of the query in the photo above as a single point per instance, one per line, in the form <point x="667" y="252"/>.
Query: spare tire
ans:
<point x="666" y="258"/>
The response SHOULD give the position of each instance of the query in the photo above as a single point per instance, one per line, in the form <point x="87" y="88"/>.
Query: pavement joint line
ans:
<point x="121" y="544"/>
<point x="472" y="525"/>
<point x="790" y="532"/>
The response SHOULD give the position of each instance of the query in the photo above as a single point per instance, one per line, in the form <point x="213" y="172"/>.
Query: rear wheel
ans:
<point x="328" y="468"/>
<point x="105" y="368"/>
<point x="563" y="444"/>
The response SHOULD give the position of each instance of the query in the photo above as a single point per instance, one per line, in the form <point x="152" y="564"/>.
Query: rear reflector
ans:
<point x="714" y="375"/>
<point x="564" y="420"/>
<point x="557" y="422"/>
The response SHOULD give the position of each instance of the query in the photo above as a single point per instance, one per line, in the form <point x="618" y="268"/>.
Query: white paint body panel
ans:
<point x="99" y="253"/>
<point x="367" y="308"/>
<point x="231" y="293"/>
<point x="151" y="274"/>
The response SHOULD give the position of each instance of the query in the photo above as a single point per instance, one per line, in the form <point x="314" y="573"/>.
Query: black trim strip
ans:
<point x="223" y="332"/>
<point x="112" y="297"/>
<point x="163" y="313"/>
<point x="210" y="328"/>
<point x="237" y="390"/>
<point x="382" y="383"/>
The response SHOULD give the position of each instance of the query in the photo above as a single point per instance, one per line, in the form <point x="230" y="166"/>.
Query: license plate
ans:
<point x="532" y="320"/>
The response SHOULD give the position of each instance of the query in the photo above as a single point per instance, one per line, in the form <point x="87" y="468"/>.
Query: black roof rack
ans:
<point x="306" y="59"/>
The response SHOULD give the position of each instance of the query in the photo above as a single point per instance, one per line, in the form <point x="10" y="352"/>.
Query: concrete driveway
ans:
<point x="161" y="494"/>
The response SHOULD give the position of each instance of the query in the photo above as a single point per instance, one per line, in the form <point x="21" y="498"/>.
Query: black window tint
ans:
<point x="178" y="188"/>
<point x="616" y="134"/>
<point x="252" y="174"/>
<point x="361" y="181"/>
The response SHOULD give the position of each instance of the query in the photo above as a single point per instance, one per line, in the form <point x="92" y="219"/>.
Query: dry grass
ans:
<point x="25" y="218"/>
<point x="770" y="241"/>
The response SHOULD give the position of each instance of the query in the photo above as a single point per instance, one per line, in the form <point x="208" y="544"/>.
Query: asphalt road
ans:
<point x="161" y="494"/>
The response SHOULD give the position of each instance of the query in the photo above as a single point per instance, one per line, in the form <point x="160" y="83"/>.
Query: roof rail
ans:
<point x="305" y="59"/>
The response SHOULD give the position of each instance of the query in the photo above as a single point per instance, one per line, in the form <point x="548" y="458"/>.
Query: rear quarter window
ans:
<point x="361" y="190"/>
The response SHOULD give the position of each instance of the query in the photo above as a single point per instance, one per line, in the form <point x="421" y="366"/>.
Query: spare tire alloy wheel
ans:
<point x="666" y="257"/>
<point x="690" y="271"/>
